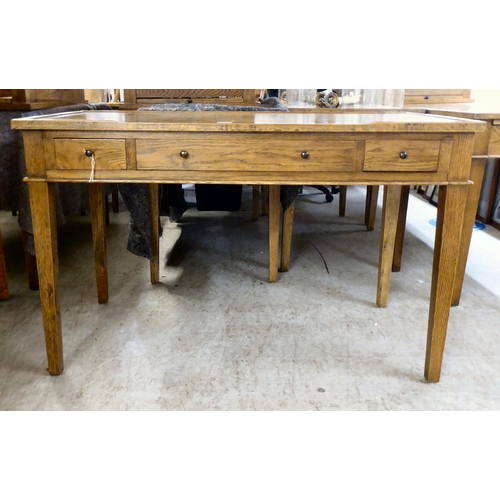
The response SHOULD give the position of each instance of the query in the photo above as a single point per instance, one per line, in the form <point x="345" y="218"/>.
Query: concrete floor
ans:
<point x="215" y="335"/>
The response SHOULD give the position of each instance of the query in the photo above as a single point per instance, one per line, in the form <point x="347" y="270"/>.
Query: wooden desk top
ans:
<point x="244" y="121"/>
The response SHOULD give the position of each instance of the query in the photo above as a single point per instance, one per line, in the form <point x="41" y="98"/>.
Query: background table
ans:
<point x="486" y="145"/>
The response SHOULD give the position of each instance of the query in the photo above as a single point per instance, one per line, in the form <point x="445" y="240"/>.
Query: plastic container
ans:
<point x="372" y="98"/>
<point x="350" y="98"/>
<point x="301" y="98"/>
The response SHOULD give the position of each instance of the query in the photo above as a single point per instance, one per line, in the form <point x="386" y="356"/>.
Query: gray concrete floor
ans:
<point x="215" y="335"/>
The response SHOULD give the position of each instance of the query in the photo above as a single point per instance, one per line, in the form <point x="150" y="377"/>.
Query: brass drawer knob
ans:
<point x="304" y="155"/>
<point x="184" y="154"/>
<point x="403" y="155"/>
<point x="89" y="153"/>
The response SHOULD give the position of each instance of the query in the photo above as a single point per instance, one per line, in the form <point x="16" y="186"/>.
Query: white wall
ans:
<point x="491" y="96"/>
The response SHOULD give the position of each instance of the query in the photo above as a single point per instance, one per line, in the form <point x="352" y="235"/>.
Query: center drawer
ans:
<point x="401" y="156"/>
<point x="253" y="152"/>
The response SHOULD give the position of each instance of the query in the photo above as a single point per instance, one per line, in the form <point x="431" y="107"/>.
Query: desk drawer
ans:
<point x="109" y="154"/>
<point x="494" y="147"/>
<point x="253" y="152"/>
<point x="401" y="156"/>
<point x="433" y="96"/>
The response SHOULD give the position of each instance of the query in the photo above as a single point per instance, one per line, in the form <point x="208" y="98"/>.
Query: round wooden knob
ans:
<point x="403" y="155"/>
<point x="184" y="154"/>
<point x="304" y="155"/>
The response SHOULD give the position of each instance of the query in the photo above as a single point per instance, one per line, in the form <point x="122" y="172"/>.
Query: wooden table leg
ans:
<point x="451" y="208"/>
<point x="30" y="262"/>
<point x="274" y="231"/>
<point x="342" y="200"/>
<point x="371" y="206"/>
<point x="255" y="202"/>
<point x="43" y="215"/>
<point x="4" y="288"/>
<point x="390" y="211"/>
<point x="98" y="202"/>
<point x="154" y="210"/>
<point x="286" y="237"/>
<point x="400" y="230"/>
<point x="473" y="193"/>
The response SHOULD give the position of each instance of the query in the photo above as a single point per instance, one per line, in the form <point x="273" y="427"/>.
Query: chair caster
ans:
<point x="329" y="198"/>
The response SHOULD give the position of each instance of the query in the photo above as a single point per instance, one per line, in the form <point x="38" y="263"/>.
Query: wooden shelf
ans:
<point x="30" y="99"/>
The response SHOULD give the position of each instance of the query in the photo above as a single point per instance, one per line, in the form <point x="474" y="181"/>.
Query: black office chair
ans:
<point x="327" y="192"/>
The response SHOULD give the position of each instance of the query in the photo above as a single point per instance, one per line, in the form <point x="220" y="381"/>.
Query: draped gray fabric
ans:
<point x="71" y="198"/>
<point x="269" y="104"/>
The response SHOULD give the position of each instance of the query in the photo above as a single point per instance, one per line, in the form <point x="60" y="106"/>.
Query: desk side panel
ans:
<point x="494" y="146"/>
<point x="34" y="153"/>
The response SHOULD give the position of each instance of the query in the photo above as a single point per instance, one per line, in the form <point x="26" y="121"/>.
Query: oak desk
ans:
<point x="392" y="149"/>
